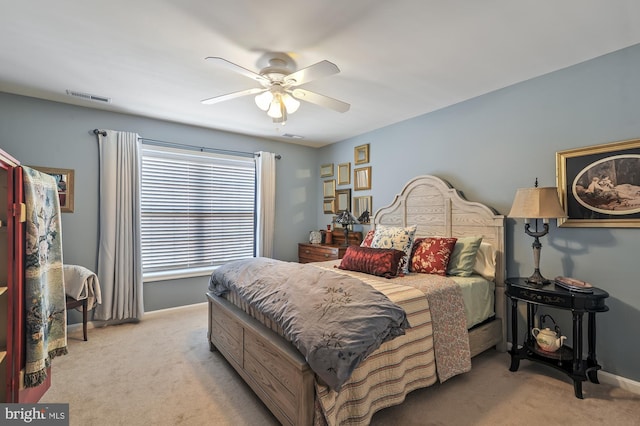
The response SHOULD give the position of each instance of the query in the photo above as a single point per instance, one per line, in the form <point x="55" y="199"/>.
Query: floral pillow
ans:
<point x="431" y="255"/>
<point x="373" y="261"/>
<point x="395" y="237"/>
<point x="366" y="242"/>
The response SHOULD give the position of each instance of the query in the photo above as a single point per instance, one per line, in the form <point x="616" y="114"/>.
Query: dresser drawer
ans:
<point x="318" y="252"/>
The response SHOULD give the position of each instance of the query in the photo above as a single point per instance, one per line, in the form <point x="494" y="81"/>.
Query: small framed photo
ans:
<point x="599" y="185"/>
<point x="344" y="174"/>
<point x="326" y="170"/>
<point x="329" y="188"/>
<point x="361" y="154"/>
<point x="361" y="205"/>
<point x="64" y="181"/>
<point x="343" y="200"/>
<point x="329" y="206"/>
<point x="362" y="178"/>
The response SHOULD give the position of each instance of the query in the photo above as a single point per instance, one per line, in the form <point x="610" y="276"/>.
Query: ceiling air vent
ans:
<point x="89" y="97"/>
<point x="289" y="135"/>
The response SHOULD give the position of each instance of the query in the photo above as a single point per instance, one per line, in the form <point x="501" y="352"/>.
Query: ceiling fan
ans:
<point x="280" y="83"/>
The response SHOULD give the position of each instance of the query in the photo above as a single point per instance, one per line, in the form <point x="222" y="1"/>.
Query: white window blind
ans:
<point x="197" y="210"/>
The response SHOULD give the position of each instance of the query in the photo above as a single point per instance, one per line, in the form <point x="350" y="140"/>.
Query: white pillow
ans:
<point x="486" y="261"/>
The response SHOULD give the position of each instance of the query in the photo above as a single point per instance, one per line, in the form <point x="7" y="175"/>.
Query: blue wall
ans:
<point x="493" y="144"/>
<point x="43" y="133"/>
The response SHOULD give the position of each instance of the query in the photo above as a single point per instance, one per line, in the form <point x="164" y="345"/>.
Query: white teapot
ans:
<point x="548" y="340"/>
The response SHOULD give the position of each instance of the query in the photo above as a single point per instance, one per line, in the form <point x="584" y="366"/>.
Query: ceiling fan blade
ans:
<point x="232" y="95"/>
<point x="322" y="100"/>
<point x="237" y="68"/>
<point x="310" y="73"/>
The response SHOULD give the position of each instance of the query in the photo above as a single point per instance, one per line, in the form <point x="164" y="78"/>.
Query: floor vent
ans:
<point x="89" y="97"/>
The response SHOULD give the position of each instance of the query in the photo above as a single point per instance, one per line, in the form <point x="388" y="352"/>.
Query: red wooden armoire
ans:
<point x="12" y="337"/>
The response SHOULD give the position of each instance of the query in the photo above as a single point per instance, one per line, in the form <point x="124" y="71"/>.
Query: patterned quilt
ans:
<point x="333" y="319"/>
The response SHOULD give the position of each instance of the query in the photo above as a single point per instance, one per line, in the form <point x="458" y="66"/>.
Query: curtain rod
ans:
<point x="190" y="147"/>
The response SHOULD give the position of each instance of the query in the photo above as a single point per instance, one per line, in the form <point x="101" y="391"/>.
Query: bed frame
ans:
<point x="278" y="373"/>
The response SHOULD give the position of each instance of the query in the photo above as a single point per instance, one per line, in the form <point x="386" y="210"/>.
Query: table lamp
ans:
<point x="345" y="218"/>
<point x="537" y="203"/>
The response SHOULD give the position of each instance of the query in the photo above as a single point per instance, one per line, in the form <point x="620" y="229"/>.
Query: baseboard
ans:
<point x="619" y="381"/>
<point x="165" y="310"/>
<point x="611" y="379"/>
<point x="90" y="324"/>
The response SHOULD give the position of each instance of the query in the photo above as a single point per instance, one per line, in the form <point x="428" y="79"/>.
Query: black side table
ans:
<point x="565" y="359"/>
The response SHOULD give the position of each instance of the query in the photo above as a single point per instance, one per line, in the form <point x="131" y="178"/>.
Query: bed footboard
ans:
<point x="271" y="366"/>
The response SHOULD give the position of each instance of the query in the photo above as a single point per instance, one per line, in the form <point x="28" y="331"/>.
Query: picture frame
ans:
<point x="362" y="204"/>
<point x="326" y="170"/>
<point x="361" y="154"/>
<point x="362" y="178"/>
<point x="329" y="206"/>
<point x="65" y="181"/>
<point x="329" y="188"/>
<point x="599" y="186"/>
<point x="343" y="200"/>
<point x="344" y="174"/>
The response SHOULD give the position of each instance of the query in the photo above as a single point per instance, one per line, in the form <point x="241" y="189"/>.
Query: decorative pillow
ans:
<point x="395" y="237"/>
<point x="486" y="262"/>
<point x="463" y="257"/>
<point x="373" y="261"/>
<point x="366" y="242"/>
<point x="431" y="255"/>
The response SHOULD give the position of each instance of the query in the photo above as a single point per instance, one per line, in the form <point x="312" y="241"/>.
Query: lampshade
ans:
<point x="291" y="103"/>
<point x="345" y="218"/>
<point x="537" y="203"/>
<point x="263" y="100"/>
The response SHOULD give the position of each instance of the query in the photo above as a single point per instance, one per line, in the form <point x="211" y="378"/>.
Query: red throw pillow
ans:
<point x="368" y="238"/>
<point x="373" y="261"/>
<point x="431" y="255"/>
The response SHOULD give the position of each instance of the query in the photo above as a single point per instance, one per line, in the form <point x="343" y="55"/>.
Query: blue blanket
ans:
<point x="334" y="320"/>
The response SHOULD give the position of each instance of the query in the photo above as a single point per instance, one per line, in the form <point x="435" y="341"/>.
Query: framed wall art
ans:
<point x="329" y="188"/>
<point x="326" y="170"/>
<point x="344" y="174"/>
<point x="343" y="200"/>
<point x="361" y="154"/>
<point x="329" y="206"/>
<point x="361" y="205"/>
<point x="64" y="180"/>
<point x="362" y="178"/>
<point x="599" y="186"/>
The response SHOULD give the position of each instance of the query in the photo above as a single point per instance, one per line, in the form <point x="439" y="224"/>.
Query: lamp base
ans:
<point x="537" y="279"/>
<point x="346" y="236"/>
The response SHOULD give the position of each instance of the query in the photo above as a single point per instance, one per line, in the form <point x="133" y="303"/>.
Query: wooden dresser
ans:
<point x="308" y="252"/>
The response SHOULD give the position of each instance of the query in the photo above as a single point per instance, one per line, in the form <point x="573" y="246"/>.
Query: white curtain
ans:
<point x="265" y="203"/>
<point x="119" y="258"/>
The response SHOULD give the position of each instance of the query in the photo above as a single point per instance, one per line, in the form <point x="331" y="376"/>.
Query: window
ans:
<point x="197" y="211"/>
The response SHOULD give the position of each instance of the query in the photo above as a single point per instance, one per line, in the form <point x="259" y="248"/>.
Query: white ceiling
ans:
<point x="398" y="59"/>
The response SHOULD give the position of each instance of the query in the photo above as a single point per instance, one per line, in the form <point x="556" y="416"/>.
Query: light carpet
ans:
<point x="161" y="372"/>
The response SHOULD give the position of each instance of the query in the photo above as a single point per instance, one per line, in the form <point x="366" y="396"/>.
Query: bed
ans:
<point x="284" y="381"/>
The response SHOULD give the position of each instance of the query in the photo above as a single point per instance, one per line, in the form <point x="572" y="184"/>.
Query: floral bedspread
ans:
<point x="334" y="320"/>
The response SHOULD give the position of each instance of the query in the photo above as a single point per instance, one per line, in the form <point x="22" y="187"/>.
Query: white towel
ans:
<point x="81" y="283"/>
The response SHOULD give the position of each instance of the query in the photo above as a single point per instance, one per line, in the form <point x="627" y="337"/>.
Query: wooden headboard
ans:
<point x="437" y="209"/>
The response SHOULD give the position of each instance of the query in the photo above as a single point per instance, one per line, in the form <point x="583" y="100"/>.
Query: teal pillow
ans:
<point x="463" y="257"/>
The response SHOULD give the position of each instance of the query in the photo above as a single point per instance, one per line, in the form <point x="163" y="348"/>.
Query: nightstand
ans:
<point x="566" y="359"/>
<point x="308" y="252"/>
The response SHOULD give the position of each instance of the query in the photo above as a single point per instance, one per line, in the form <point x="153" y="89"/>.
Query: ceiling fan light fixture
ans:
<point x="291" y="103"/>
<point x="263" y="100"/>
<point x="276" y="108"/>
